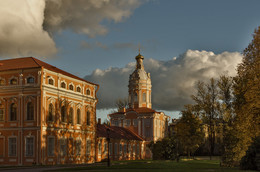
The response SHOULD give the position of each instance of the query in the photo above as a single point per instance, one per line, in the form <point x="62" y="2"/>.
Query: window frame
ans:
<point x="26" y="146"/>
<point x="9" y="147"/>
<point x="50" y="113"/>
<point x="28" y="80"/>
<point x="12" y="113"/>
<point x="2" y="109"/>
<point x="50" y="154"/>
<point x="27" y="111"/>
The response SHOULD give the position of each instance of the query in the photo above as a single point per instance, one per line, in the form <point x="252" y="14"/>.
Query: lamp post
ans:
<point x="108" y="141"/>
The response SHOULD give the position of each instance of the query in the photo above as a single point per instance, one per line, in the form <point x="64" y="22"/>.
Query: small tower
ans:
<point x="139" y="87"/>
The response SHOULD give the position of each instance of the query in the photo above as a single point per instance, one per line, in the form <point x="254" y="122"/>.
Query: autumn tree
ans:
<point x="189" y="130"/>
<point x="247" y="97"/>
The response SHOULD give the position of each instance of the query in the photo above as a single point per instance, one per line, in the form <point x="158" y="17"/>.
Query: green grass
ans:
<point x="160" y="166"/>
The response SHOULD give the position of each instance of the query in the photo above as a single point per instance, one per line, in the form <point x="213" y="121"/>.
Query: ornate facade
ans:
<point x="47" y="116"/>
<point x="140" y="117"/>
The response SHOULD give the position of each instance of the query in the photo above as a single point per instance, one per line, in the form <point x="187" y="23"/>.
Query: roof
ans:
<point x="31" y="62"/>
<point x="141" y="110"/>
<point x="117" y="133"/>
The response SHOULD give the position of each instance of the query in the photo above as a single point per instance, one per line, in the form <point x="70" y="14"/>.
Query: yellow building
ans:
<point x="47" y="116"/>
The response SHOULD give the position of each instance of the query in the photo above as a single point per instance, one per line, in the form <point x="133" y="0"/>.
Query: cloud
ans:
<point x="21" y="32"/>
<point x="27" y="26"/>
<point x="85" y="17"/>
<point x="172" y="81"/>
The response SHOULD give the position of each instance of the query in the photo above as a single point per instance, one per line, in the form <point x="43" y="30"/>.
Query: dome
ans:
<point x="139" y="74"/>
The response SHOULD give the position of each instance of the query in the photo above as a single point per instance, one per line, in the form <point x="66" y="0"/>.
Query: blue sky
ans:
<point x="164" y="29"/>
<point x="99" y="39"/>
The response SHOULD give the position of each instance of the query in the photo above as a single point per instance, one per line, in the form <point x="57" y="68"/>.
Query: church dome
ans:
<point x="139" y="74"/>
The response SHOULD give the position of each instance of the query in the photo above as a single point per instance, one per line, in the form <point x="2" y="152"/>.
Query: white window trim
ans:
<point x="78" y="86"/>
<point x="63" y="81"/>
<point x="50" y="77"/>
<point x="89" y="92"/>
<point x="71" y="83"/>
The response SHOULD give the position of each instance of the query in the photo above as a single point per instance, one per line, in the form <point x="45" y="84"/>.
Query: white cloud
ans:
<point x="172" y="81"/>
<point x="21" y="32"/>
<point x="27" y="25"/>
<point x="85" y="16"/>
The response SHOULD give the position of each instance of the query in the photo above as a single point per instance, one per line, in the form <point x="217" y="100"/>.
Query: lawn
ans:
<point x="161" y="166"/>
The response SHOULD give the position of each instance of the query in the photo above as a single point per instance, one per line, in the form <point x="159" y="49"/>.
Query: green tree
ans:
<point x="189" y="130"/>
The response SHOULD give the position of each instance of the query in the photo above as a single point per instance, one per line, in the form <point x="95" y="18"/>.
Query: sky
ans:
<point x="182" y="41"/>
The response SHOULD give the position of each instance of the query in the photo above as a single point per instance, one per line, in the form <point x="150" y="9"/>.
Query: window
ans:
<point x="2" y="112"/>
<point x="2" y="82"/>
<point x="88" y="149"/>
<point x="115" y="148"/>
<point x="30" y="80"/>
<point x="71" y="116"/>
<point x="2" y="147"/>
<point x="70" y="146"/>
<point x="78" y="116"/>
<point x="78" y="147"/>
<point x="125" y="148"/>
<point x="133" y="149"/>
<point x="105" y="148"/>
<point x="88" y="92"/>
<point x="51" y="111"/>
<point x="29" y="146"/>
<point x="78" y="89"/>
<point x="99" y="147"/>
<point x="63" y="85"/>
<point x="63" y="147"/>
<point x="135" y="121"/>
<point x="30" y="111"/>
<point x="115" y="122"/>
<point x="13" y="81"/>
<point x="13" y="112"/>
<point x="147" y="122"/>
<point x="12" y="146"/>
<point x="51" y="146"/>
<point x="135" y="97"/>
<point x="144" y="97"/>
<point x="71" y="87"/>
<point x="128" y="122"/>
<point x="88" y="118"/>
<point x="137" y="151"/>
<point x="129" y="149"/>
<point x="50" y="81"/>
<point x="63" y="114"/>
<point x="120" y="149"/>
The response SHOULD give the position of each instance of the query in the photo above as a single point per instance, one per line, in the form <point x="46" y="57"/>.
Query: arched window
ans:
<point x="51" y="111"/>
<point x="78" y="116"/>
<point x="63" y="85"/>
<point x="88" y="92"/>
<point x="71" y="116"/>
<point x="30" y="111"/>
<point x="71" y="87"/>
<point x="88" y="118"/>
<point x="50" y="81"/>
<point x="63" y="114"/>
<point x="2" y="112"/>
<point x="135" y="97"/>
<point x="2" y="82"/>
<point x="13" y="81"/>
<point x="13" y="112"/>
<point x="78" y="89"/>
<point x="144" y="97"/>
<point x="30" y="80"/>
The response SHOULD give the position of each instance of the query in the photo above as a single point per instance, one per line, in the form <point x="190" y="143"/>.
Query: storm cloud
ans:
<point x="27" y="26"/>
<point x="172" y="81"/>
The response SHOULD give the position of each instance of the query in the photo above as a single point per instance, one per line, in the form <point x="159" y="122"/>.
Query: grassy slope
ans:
<point x="161" y="166"/>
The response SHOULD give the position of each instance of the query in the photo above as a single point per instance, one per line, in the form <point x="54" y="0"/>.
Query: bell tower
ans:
<point x="140" y="87"/>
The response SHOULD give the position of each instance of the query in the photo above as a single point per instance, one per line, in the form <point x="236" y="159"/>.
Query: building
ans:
<point x="124" y="144"/>
<point x="140" y="117"/>
<point x="47" y="115"/>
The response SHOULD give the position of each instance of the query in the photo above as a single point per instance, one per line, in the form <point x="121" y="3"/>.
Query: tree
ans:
<point x="189" y="130"/>
<point x="247" y="97"/>
<point x="208" y="106"/>
<point x="121" y="103"/>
